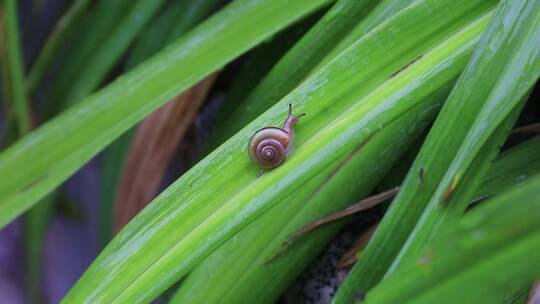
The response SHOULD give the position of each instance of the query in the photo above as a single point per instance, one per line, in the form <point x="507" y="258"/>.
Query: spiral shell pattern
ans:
<point x="268" y="147"/>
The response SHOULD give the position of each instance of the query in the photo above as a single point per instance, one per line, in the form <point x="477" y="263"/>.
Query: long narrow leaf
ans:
<point x="103" y="58"/>
<point x="153" y="148"/>
<point x="168" y="26"/>
<point x="491" y="252"/>
<point x="172" y="23"/>
<point x="252" y="267"/>
<point x="257" y="64"/>
<point x="16" y="93"/>
<point x="244" y="259"/>
<point x="347" y="102"/>
<point x="382" y="12"/>
<point x="27" y="173"/>
<point x="296" y="65"/>
<point x="81" y="42"/>
<point x="473" y="113"/>
<point x="60" y="31"/>
<point x="506" y="66"/>
<point x="511" y="168"/>
<point x="36" y="221"/>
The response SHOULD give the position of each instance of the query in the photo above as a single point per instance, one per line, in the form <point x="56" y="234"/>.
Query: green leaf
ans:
<point x="36" y="220"/>
<point x="72" y="138"/>
<point x="240" y="271"/>
<point x="11" y="51"/>
<point x="455" y="201"/>
<point x="111" y="48"/>
<point x="347" y="102"/>
<point x="511" y="168"/>
<point x="54" y="42"/>
<point x="383" y="11"/>
<point x="82" y="41"/>
<point x="486" y="257"/>
<point x="457" y="150"/>
<point x="176" y="19"/>
<point x="257" y="64"/>
<point x="515" y="63"/>
<point x="296" y="65"/>
<point x="501" y="78"/>
<point x="246" y="267"/>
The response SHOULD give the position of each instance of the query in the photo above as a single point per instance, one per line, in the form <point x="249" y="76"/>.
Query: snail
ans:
<point x="269" y="146"/>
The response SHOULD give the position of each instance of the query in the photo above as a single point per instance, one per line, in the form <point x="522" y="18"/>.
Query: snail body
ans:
<point x="269" y="147"/>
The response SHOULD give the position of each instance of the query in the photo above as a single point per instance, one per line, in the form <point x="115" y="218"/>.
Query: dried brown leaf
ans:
<point x="153" y="147"/>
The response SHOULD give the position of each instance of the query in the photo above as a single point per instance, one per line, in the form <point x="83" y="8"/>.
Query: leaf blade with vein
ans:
<point x="27" y="173"/>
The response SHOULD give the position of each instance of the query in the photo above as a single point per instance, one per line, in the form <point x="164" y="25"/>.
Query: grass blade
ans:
<point x="511" y="168"/>
<point x="16" y="95"/>
<point x="80" y="45"/>
<point x="54" y="42"/>
<point x="384" y="10"/>
<point x="37" y="219"/>
<point x="514" y="62"/>
<point x="297" y="64"/>
<point x="172" y="23"/>
<point x="518" y="68"/>
<point x="488" y="255"/>
<point x="111" y="48"/>
<point x="244" y="259"/>
<point x="175" y="20"/>
<point x="225" y="191"/>
<point x="81" y="132"/>
<point x="251" y="266"/>
<point x="153" y="147"/>
<point x="258" y="63"/>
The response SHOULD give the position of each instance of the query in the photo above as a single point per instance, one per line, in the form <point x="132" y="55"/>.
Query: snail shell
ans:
<point x="269" y="147"/>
